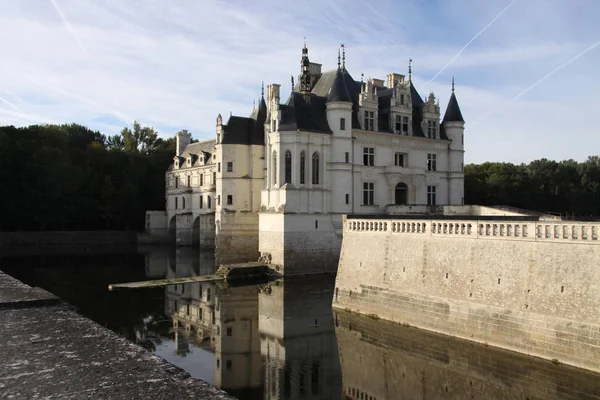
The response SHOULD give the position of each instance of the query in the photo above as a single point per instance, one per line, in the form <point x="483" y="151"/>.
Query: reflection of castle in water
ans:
<point x="271" y="341"/>
<point x="382" y="360"/>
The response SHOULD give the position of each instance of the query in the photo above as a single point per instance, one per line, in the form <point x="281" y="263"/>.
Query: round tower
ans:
<point x="454" y="126"/>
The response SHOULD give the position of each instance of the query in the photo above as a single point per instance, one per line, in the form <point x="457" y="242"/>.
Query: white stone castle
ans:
<point x="276" y="184"/>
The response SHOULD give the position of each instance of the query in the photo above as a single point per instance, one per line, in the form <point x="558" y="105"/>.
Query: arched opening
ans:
<point x="401" y="194"/>
<point x="196" y="233"/>
<point x="172" y="232"/>
<point x="288" y="166"/>
<point x="315" y="168"/>
<point x="302" y="167"/>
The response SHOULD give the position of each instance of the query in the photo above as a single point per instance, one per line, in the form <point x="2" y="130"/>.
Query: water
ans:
<point x="281" y="340"/>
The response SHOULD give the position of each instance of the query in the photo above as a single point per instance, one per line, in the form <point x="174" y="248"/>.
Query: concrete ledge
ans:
<point x="50" y="351"/>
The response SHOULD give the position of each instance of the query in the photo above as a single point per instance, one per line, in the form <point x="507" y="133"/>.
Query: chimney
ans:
<point x="183" y="139"/>
<point x="273" y="96"/>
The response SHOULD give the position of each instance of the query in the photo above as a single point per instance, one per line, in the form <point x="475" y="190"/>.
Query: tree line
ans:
<point x="69" y="177"/>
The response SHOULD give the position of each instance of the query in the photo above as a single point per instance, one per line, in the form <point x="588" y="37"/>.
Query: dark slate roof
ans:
<point x="298" y="114"/>
<point x="205" y="146"/>
<point x="453" y="111"/>
<point x="339" y="90"/>
<point x="247" y="130"/>
<point x="417" y="114"/>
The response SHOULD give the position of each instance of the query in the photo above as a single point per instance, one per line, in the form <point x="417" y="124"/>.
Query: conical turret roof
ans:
<point x="339" y="90"/>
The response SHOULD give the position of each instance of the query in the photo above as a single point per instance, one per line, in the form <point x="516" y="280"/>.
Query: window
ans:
<point x="176" y="202"/>
<point x="431" y="129"/>
<point x="400" y="194"/>
<point x="315" y="168"/>
<point x="214" y="178"/>
<point x="200" y="201"/>
<point x="274" y="168"/>
<point x="189" y="181"/>
<point x="347" y="199"/>
<point x="218" y="167"/>
<point x="368" y="156"/>
<point x="229" y="331"/>
<point x="229" y="199"/>
<point x="401" y="125"/>
<point x="183" y="202"/>
<point x="288" y="166"/>
<point x="273" y="125"/>
<point x="176" y="182"/>
<point x="219" y="200"/>
<point x="302" y="167"/>
<point x="208" y="201"/>
<point x="229" y="166"/>
<point x="369" y="120"/>
<point x="431" y="162"/>
<point x="431" y="195"/>
<point x="401" y="99"/>
<point x="346" y="157"/>
<point x="399" y="159"/>
<point x="201" y="179"/>
<point x="368" y="193"/>
<point x="342" y="124"/>
<point x="208" y="298"/>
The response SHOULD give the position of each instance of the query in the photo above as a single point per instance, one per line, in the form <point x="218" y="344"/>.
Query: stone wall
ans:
<point x="236" y="237"/>
<point x="530" y="287"/>
<point x="383" y="360"/>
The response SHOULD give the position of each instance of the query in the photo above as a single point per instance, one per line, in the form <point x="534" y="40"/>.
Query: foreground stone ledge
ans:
<point x="50" y="351"/>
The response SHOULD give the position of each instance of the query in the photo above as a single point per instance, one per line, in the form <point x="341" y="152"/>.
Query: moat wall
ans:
<point x="531" y="287"/>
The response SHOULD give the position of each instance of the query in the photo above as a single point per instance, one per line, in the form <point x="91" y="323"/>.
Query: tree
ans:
<point x="139" y="139"/>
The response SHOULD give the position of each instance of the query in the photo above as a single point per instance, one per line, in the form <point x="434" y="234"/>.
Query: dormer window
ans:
<point x="401" y="125"/>
<point x="431" y="129"/>
<point x="189" y="161"/>
<point x="401" y="99"/>
<point x="369" y="120"/>
<point x="176" y="164"/>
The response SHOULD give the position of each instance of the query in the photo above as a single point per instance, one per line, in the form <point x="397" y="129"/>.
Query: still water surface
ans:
<point x="281" y="340"/>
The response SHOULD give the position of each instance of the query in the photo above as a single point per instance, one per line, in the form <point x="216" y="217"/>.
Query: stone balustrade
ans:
<point x="563" y="231"/>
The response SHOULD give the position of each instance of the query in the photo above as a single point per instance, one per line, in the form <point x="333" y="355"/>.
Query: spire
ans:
<point x="305" y="78"/>
<point x="410" y="69"/>
<point x="262" y="89"/>
<point x="453" y="113"/>
<point x="343" y="57"/>
<point x="292" y="76"/>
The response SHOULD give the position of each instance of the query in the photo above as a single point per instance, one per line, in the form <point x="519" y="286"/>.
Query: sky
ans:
<point x="525" y="70"/>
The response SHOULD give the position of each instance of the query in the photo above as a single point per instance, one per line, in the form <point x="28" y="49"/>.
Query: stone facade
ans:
<point x="521" y="285"/>
<point x="279" y="181"/>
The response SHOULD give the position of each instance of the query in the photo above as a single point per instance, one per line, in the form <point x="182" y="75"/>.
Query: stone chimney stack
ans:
<point x="183" y="139"/>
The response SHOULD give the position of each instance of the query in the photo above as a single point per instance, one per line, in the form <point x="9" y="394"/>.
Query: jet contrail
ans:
<point x="2" y="99"/>
<point x="473" y="39"/>
<point x="71" y="30"/>
<point x="542" y="79"/>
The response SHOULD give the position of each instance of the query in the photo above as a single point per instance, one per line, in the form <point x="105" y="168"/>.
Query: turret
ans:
<point x="182" y="139"/>
<point x="339" y="104"/>
<point x="219" y="128"/>
<point x="454" y="126"/>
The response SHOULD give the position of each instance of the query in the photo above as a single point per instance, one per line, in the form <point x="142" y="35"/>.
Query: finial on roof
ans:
<point x="262" y="89"/>
<point x="362" y="76"/>
<point x="343" y="57"/>
<point x="338" y="58"/>
<point x="452" y="84"/>
<point x="292" y="76"/>
<point x="410" y="69"/>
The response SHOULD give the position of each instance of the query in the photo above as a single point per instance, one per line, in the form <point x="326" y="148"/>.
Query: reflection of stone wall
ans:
<point x="382" y="360"/>
<point x="297" y="339"/>
<point x="524" y="286"/>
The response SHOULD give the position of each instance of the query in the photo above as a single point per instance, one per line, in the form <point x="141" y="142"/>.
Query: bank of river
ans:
<point x="281" y="340"/>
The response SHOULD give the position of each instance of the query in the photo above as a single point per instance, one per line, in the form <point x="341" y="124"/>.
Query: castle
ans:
<point x="276" y="184"/>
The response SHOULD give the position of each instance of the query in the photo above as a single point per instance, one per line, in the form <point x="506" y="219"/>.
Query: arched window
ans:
<point x="401" y="194"/>
<point x="302" y="167"/>
<point x="274" y="167"/>
<point x="183" y="202"/>
<point x="315" y="168"/>
<point x="288" y="166"/>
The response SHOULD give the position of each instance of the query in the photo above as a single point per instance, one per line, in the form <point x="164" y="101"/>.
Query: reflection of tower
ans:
<point x="237" y="345"/>
<point x="182" y="345"/>
<point x="297" y="339"/>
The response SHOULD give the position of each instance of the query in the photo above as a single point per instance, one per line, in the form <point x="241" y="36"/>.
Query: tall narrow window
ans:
<point x="214" y="182"/>
<point x="431" y="195"/>
<point x="218" y="167"/>
<point x="401" y="99"/>
<point x="288" y="166"/>
<point x="200" y="201"/>
<point x="176" y="182"/>
<point x="315" y="168"/>
<point x="431" y="129"/>
<point x="369" y="120"/>
<point x="183" y="203"/>
<point x="208" y="201"/>
<point x="201" y="179"/>
<point x="398" y="124"/>
<point x="405" y="125"/>
<point x="176" y="202"/>
<point x="189" y="181"/>
<point x="274" y="168"/>
<point x="302" y="167"/>
<point x="399" y="159"/>
<point x="346" y="157"/>
<point x="368" y="156"/>
<point x="431" y="162"/>
<point x="229" y="199"/>
<point x="229" y="166"/>
<point x="219" y="200"/>
<point x="342" y="124"/>
<point x="368" y="193"/>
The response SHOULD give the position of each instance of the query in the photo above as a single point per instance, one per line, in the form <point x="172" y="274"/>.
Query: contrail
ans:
<point x="2" y="99"/>
<point x="542" y="79"/>
<point x="71" y="30"/>
<point x="473" y="39"/>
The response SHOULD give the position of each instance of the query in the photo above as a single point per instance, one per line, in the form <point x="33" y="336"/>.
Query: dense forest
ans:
<point x="68" y="177"/>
